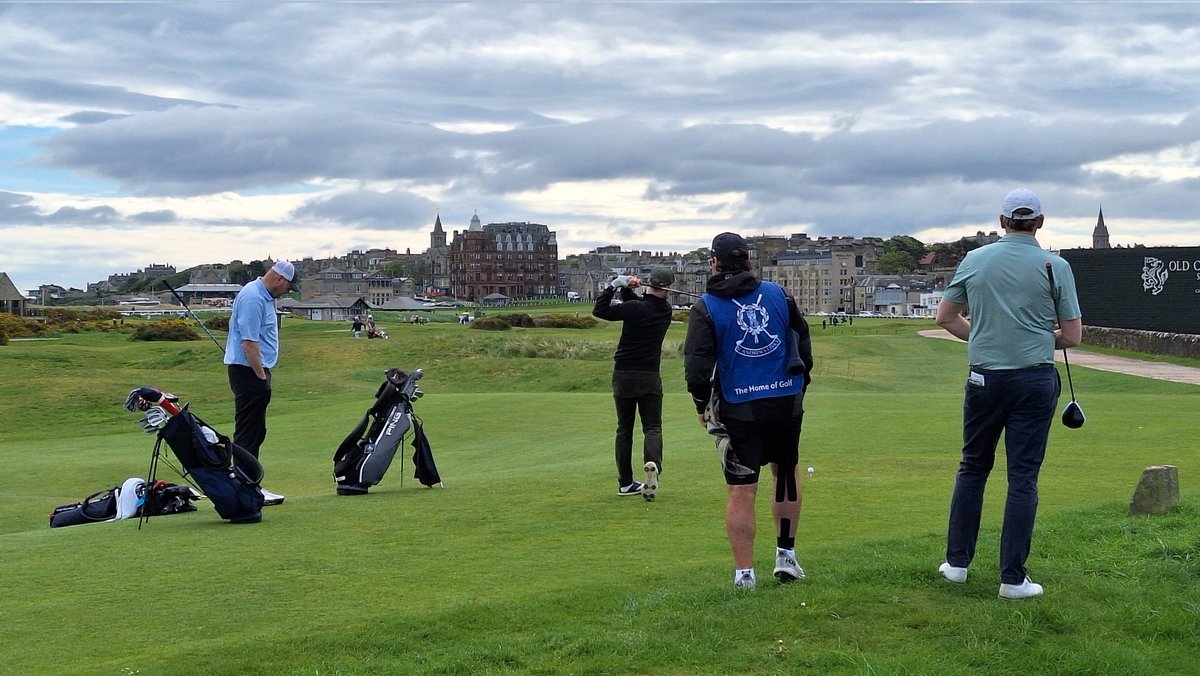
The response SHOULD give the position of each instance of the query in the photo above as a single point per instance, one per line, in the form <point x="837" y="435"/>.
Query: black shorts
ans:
<point x="760" y="443"/>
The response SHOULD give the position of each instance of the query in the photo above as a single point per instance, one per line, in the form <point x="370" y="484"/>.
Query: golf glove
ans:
<point x="619" y="281"/>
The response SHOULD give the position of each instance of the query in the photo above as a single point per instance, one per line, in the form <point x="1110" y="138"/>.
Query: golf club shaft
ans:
<point x="193" y="314"/>
<point x="1054" y="299"/>
<point x="682" y="293"/>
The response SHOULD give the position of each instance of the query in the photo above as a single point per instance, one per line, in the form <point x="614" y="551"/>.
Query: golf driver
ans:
<point x="1072" y="415"/>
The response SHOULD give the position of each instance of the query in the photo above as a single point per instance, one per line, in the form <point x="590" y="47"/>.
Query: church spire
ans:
<point x="1100" y="234"/>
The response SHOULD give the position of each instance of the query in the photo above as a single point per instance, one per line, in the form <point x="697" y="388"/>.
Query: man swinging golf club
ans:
<point x="636" y="382"/>
<point x="251" y="351"/>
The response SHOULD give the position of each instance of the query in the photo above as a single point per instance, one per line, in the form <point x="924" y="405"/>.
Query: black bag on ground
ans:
<point x="367" y="452"/>
<point x="157" y="500"/>
<point x="167" y="498"/>
<point x="97" y="507"/>
<point x="228" y="474"/>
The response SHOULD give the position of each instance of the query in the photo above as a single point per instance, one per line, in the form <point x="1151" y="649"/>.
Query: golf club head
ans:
<point x="1072" y="415"/>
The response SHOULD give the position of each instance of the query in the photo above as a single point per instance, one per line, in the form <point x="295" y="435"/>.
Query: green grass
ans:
<point x="527" y="561"/>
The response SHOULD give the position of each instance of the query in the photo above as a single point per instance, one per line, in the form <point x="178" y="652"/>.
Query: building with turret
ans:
<point x="513" y="260"/>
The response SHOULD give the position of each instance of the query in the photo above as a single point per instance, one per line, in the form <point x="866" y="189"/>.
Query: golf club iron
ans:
<point x="193" y="314"/>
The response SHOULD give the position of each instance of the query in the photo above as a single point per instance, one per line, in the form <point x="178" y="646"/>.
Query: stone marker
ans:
<point x="1156" y="492"/>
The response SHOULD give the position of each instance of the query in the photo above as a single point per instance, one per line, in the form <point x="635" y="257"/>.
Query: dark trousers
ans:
<point x="1021" y="404"/>
<point x="251" y="396"/>
<point x="637" y="393"/>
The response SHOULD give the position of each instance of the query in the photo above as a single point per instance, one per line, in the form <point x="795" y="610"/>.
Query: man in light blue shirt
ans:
<point x="1016" y="293"/>
<point x="251" y="351"/>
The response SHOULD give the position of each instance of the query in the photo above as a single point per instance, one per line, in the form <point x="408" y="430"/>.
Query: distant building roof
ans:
<point x="209" y="288"/>
<point x="8" y="290"/>
<point x="332" y="301"/>
<point x="403" y="303"/>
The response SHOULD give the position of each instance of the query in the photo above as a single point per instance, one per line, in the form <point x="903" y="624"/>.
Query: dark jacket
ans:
<point x="645" y="321"/>
<point x="700" y="352"/>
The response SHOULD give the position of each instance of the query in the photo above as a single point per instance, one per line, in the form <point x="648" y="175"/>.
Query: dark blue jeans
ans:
<point x="1021" y="404"/>
<point x="637" y="393"/>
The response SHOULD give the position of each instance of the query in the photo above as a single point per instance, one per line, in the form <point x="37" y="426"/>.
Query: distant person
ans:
<point x="370" y="326"/>
<point x="251" y="351"/>
<point x="636" y="382"/>
<point x="747" y="357"/>
<point x="1012" y="384"/>
<point x="357" y="327"/>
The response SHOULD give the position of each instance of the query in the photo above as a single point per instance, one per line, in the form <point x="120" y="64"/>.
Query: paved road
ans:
<point x="1103" y="362"/>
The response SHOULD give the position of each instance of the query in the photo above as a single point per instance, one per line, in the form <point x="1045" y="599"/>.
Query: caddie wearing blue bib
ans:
<point x="747" y="360"/>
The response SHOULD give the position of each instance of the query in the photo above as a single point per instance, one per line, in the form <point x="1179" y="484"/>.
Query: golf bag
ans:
<point x="365" y="455"/>
<point x="134" y="498"/>
<point x="227" y="474"/>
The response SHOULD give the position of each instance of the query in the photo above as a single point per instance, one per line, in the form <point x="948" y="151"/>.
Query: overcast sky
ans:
<point x="188" y="133"/>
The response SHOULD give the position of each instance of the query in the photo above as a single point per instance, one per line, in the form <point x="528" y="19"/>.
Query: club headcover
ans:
<point x="1072" y="415"/>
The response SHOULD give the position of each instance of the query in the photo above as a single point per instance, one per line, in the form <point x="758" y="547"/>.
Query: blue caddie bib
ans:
<point x="752" y="344"/>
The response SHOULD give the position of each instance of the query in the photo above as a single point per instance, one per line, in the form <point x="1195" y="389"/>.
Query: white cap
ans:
<point x="1021" y="198"/>
<point x="286" y="270"/>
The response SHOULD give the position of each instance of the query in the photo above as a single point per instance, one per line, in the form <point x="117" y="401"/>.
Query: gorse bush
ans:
<point x="20" y="327"/>
<point x="86" y="326"/>
<point x="219" y="323"/>
<point x="564" y="321"/>
<point x="69" y="316"/>
<point x="518" y="319"/>
<point x="491" y="324"/>
<point x="167" y="329"/>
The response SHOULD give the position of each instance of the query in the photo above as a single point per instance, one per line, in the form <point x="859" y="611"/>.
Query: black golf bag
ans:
<point x="365" y="455"/>
<point x="147" y="500"/>
<point x="226" y="473"/>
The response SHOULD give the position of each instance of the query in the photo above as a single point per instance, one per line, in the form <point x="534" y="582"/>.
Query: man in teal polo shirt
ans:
<point x="251" y="351"/>
<point x="1012" y="384"/>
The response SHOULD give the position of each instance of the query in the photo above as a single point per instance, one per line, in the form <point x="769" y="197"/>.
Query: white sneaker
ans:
<point x="634" y="488"/>
<point x="270" y="498"/>
<point x="953" y="573"/>
<point x="786" y="568"/>
<point x="745" y="580"/>
<point x="650" y="485"/>
<point x="130" y="497"/>
<point x="1025" y="590"/>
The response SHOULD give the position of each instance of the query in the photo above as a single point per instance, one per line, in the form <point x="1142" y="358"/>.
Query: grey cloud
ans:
<point x="90" y="117"/>
<point x="17" y="209"/>
<point x="80" y="93"/>
<point x="73" y="216"/>
<point x="159" y="217"/>
<point x="379" y="210"/>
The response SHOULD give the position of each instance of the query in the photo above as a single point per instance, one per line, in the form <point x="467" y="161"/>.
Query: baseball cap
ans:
<point x="729" y="245"/>
<point x="662" y="277"/>
<point x="1021" y="198"/>
<point x="286" y="270"/>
